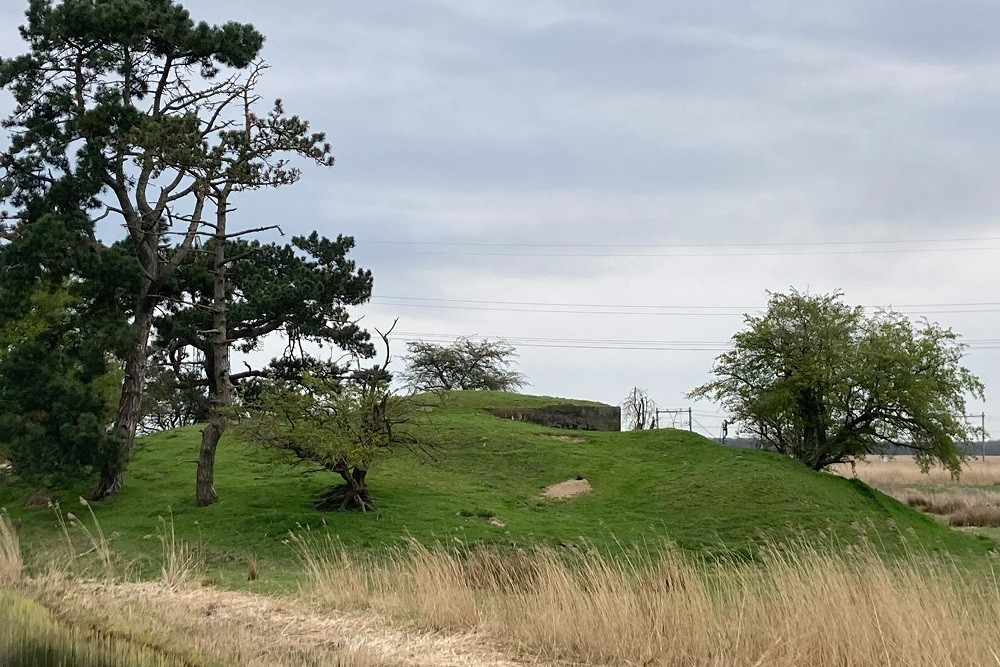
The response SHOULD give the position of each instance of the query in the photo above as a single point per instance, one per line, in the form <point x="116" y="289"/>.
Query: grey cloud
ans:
<point x="547" y="121"/>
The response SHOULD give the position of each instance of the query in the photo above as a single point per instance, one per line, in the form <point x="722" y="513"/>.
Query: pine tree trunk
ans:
<point x="205" y="493"/>
<point x="220" y="388"/>
<point x="127" y="417"/>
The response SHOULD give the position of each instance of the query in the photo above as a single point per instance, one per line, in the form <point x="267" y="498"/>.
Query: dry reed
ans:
<point x="962" y="502"/>
<point x="976" y="515"/>
<point x="796" y="606"/>
<point x="414" y="582"/>
<point x="11" y="562"/>
<point x="181" y="565"/>
<point x="807" y="606"/>
<point x="903" y="471"/>
<point x="99" y="543"/>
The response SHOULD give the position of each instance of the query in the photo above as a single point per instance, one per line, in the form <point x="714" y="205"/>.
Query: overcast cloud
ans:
<point x="670" y="126"/>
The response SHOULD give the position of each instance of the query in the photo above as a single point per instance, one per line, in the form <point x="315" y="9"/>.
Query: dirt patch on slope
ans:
<point x="567" y="489"/>
<point x="563" y="438"/>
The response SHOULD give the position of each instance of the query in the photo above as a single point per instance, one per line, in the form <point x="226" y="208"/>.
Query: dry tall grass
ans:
<point x="11" y="563"/>
<point x="801" y="606"/>
<point x="903" y="471"/>
<point x="963" y="501"/>
<point x="181" y="565"/>
<point x="107" y="623"/>
<point x="807" y="607"/>
<point x="99" y="542"/>
<point x="416" y="582"/>
<point x="97" y="553"/>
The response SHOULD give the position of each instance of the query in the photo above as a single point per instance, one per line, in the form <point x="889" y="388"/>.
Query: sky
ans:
<point x="611" y="185"/>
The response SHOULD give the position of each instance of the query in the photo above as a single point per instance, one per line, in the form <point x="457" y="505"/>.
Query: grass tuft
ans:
<point x="181" y="566"/>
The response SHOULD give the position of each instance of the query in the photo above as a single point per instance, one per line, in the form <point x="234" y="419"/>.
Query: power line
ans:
<point x="739" y="309"/>
<point x="618" y="343"/>
<point x="701" y="313"/>
<point x="575" y="340"/>
<point x="548" y="311"/>
<point x="505" y="244"/>
<point x="550" y="255"/>
<point x="567" y="305"/>
<point x="703" y="428"/>
<point x="582" y="343"/>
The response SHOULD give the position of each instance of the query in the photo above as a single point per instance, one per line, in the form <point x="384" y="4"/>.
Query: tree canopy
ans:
<point x="118" y="103"/>
<point x="63" y="324"/>
<point x="301" y="289"/>
<point x="58" y="385"/>
<point x="823" y="382"/>
<point x="342" y="423"/>
<point x="131" y="110"/>
<point x="464" y="364"/>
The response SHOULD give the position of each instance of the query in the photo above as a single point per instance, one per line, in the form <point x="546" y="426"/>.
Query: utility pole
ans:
<point x="982" y="432"/>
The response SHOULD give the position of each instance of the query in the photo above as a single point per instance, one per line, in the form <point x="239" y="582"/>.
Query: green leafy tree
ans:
<point x="55" y="408"/>
<point x="464" y="364"/>
<point x="825" y="383"/>
<point x="57" y="383"/>
<point x="41" y="311"/>
<point x="62" y="326"/>
<point x="341" y="424"/>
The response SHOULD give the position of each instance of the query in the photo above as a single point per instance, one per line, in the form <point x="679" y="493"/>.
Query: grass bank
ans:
<point x="477" y="480"/>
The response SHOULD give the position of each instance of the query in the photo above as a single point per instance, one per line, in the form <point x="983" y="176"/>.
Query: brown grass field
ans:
<point x="903" y="471"/>
<point x="972" y="500"/>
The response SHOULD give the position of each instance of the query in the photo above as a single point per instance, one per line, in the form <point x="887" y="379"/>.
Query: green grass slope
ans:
<point x="648" y="486"/>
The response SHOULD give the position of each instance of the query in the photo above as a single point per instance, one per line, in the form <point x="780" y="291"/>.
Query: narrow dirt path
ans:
<point x="254" y="629"/>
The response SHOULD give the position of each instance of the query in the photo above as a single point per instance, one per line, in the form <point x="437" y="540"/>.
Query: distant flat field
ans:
<point x="904" y="471"/>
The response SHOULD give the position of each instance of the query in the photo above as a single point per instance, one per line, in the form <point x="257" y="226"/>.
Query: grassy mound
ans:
<point x="479" y="478"/>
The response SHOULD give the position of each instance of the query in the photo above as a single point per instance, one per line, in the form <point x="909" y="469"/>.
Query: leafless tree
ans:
<point x="638" y="411"/>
